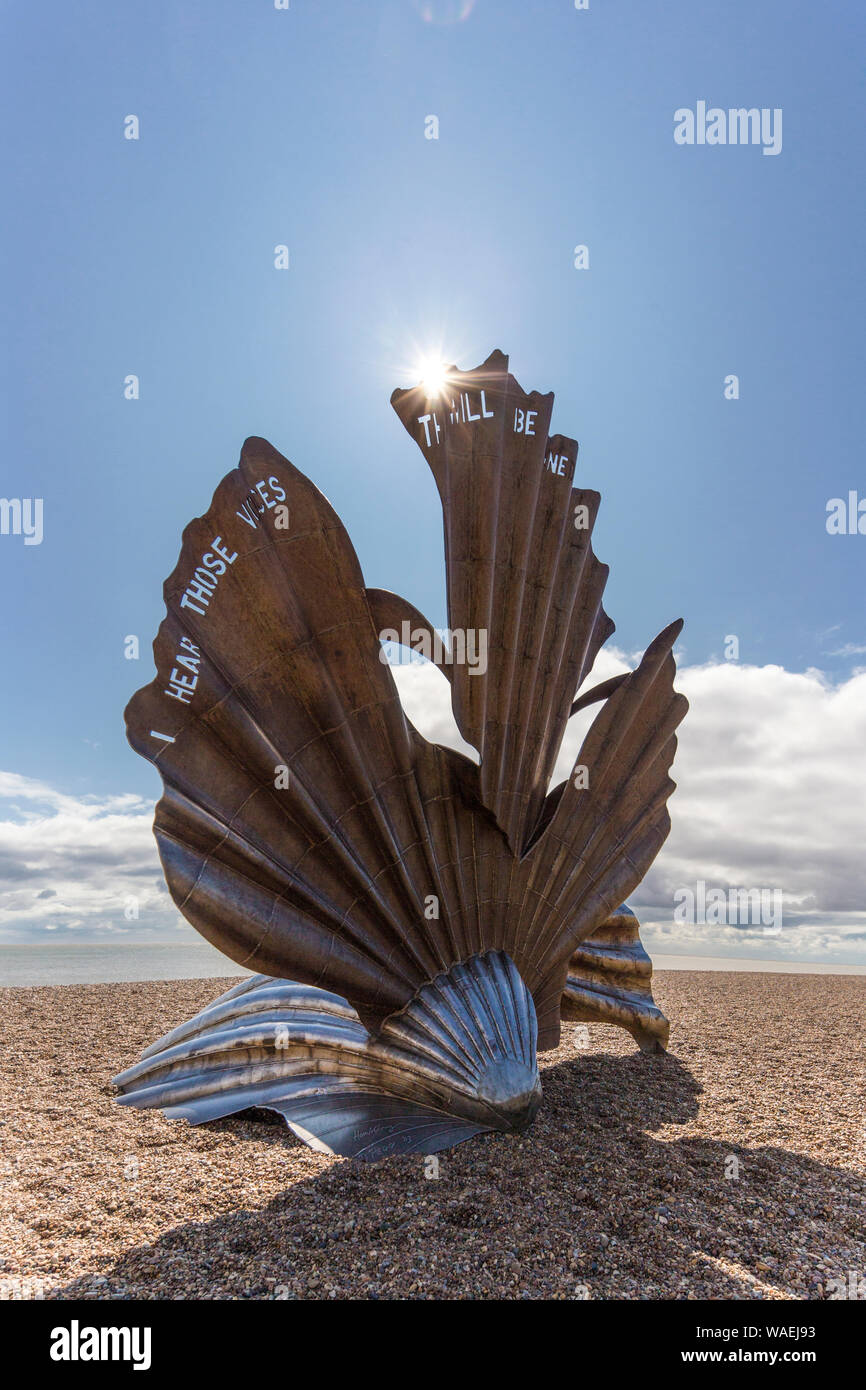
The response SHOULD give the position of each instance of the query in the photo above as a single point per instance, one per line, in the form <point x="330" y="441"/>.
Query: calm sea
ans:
<point x="85" y="964"/>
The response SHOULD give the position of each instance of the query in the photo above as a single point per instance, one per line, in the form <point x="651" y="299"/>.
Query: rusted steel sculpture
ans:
<point x="421" y="922"/>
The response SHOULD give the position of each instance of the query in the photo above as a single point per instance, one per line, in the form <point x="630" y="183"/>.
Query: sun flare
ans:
<point x="434" y="374"/>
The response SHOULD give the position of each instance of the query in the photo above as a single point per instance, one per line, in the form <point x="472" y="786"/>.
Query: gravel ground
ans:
<point x="625" y="1186"/>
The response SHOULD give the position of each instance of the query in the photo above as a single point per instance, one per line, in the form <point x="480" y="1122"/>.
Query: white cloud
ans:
<point x="771" y="793"/>
<point x="771" y="775"/>
<point x="425" y="694"/>
<point x="71" y="866"/>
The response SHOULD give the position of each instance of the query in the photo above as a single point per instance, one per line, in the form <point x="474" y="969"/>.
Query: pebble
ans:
<point x="733" y="1168"/>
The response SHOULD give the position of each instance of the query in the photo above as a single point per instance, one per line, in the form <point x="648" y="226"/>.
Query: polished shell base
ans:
<point x="458" y="1060"/>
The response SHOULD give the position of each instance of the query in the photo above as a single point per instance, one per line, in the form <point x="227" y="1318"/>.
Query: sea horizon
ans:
<point x="47" y="963"/>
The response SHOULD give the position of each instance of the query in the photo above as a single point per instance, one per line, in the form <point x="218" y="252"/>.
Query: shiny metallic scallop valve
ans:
<point x="419" y="922"/>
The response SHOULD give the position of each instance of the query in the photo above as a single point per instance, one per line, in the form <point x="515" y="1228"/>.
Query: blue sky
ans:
<point x="306" y="127"/>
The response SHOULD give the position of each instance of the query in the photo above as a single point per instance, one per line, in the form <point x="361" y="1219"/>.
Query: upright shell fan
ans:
<point x="419" y="923"/>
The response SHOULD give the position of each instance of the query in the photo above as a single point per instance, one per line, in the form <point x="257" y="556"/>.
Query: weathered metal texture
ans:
<point x="518" y="567"/>
<point x="459" y="1060"/>
<point x="610" y="981"/>
<point x="305" y="825"/>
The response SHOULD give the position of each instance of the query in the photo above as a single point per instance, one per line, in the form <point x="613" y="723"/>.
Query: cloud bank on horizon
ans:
<point x="770" y="772"/>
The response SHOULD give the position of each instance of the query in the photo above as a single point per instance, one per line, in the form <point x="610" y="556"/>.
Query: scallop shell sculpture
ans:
<point x="419" y="923"/>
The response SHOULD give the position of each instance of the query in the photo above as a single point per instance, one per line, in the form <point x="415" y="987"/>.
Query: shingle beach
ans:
<point x="732" y="1168"/>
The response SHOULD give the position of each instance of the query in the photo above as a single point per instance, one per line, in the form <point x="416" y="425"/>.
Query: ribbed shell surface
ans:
<point x="306" y="826"/>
